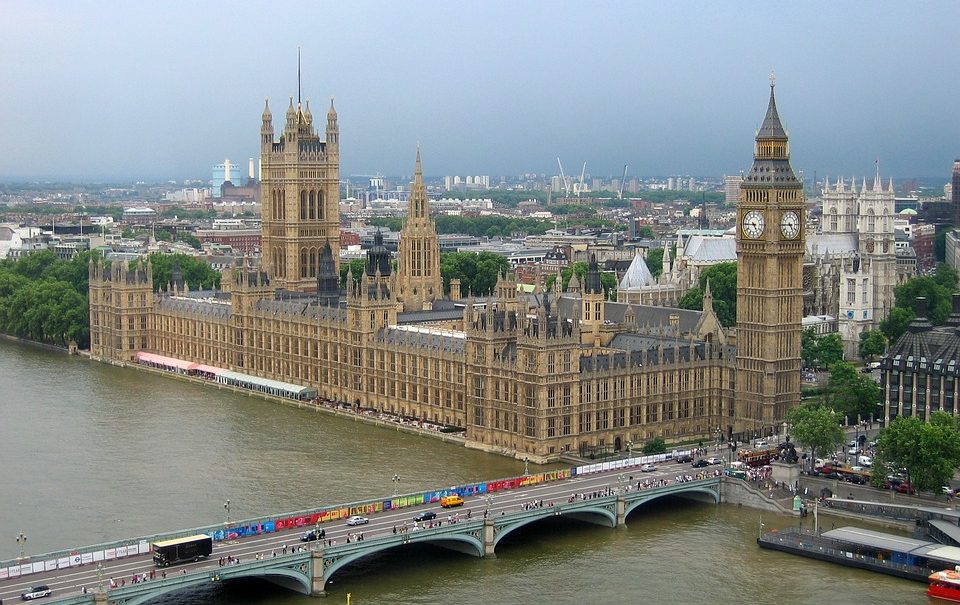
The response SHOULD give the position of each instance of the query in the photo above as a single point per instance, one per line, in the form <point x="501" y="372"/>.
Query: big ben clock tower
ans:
<point x="770" y="248"/>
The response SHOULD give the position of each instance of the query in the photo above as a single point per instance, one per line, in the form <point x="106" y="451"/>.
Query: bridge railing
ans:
<point x="91" y="555"/>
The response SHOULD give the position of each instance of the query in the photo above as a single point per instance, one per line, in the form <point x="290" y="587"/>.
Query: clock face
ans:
<point x="790" y="224"/>
<point x="753" y="224"/>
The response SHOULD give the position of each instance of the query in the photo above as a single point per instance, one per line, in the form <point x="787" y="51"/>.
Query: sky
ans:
<point x="138" y="90"/>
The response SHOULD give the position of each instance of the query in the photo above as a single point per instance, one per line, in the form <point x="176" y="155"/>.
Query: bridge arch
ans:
<point x="698" y="493"/>
<point x="593" y="514"/>
<point x="284" y="577"/>
<point x="464" y="543"/>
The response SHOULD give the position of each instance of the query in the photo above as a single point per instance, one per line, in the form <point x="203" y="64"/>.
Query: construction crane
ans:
<point x="563" y="178"/>
<point x="623" y="180"/>
<point x="580" y="186"/>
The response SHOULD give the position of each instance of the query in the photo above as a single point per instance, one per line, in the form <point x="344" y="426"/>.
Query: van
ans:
<point x="451" y="501"/>
<point x="866" y="461"/>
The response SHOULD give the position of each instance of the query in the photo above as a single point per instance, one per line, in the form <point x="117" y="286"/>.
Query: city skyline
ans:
<point x="108" y="91"/>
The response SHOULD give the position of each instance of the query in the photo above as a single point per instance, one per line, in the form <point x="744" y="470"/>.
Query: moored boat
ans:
<point x="945" y="585"/>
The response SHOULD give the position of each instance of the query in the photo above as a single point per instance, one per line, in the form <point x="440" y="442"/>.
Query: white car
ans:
<point x="37" y="592"/>
<point x="714" y="460"/>
<point x="648" y="468"/>
<point x="357" y="520"/>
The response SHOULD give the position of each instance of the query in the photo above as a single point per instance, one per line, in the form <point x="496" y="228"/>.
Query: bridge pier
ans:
<point x="488" y="538"/>
<point x="621" y="511"/>
<point x="317" y="581"/>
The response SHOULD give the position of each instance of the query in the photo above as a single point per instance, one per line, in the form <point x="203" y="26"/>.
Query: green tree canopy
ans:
<point x="896" y="323"/>
<point x="723" y="285"/>
<point x="929" y="452"/>
<point x="477" y="272"/>
<point x="608" y="279"/>
<point x="654" y="260"/>
<point x="872" y="343"/>
<point x="850" y="392"/>
<point x="197" y="274"/>
<point x="655" y="446"/>
<point x="820" y="350"/>
<point x="356" y="266"/>
<point x="817" y="427"/>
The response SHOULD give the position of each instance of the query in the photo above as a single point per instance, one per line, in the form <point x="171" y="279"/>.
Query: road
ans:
<point x="73" y="579"/>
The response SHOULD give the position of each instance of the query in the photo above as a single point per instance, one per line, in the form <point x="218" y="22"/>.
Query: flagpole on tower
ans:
<point x="298" y="76"/>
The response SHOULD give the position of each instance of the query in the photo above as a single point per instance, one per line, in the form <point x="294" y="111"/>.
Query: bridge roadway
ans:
<point x="305" y="567"/>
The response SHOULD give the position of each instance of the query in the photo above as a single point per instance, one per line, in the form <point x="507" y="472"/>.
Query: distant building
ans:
<point x="955" y="192"/>
<point x="731" y="188"/>
<point x="222" y="173"/>
<point x="138" y="215"/>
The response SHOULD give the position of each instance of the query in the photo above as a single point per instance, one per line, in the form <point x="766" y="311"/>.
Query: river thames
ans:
<point x="91" y="453"/>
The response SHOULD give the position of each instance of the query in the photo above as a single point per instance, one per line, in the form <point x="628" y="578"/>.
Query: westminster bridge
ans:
<point x="269" y="548"/>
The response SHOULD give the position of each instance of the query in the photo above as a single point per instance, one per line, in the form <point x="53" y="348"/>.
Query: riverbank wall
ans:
<point x="34" y="343"/>
<point x="308" y="405"/>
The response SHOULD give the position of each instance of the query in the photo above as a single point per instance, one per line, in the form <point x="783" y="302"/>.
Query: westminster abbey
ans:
<point x="526" y="375"/>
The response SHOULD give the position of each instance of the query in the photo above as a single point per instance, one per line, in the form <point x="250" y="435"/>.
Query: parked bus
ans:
<point x="180" y="550"/>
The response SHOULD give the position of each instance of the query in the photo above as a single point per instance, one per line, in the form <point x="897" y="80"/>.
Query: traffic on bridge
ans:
<point x="302" y="550"/>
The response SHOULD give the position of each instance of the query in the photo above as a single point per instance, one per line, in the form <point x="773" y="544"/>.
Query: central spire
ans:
<point x="771" y="127"/>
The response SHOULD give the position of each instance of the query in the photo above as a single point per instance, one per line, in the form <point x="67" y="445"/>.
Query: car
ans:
<point x="852" y="443"/>
<point x="648" y="468"/>
<point x="947" y="490"/>
<point x="853" y="451"/>
<point x="425" y="516"/>
<point x="313" y="535"/>
<point x="37" y="592"/>
<point x="700" y="463"/>
<point x="905" y="488"/>
<point x="761" y="443"/>
<point x="357" y="520"/>
<point x="684" y="458"/>
<point x="714" y="460"/>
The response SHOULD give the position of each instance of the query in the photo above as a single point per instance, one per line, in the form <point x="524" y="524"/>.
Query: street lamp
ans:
<point x="489" y="499"/>
<point x="226" y="507"/>
<point x="629" y="449"/>
<point x="526" y="466"/>
<point x="620" y="484"/>
<point x="21" y="541"/>
<point x="396" y="485"/>
<point x="99" y="577"/>
<point x="717" y="433"/>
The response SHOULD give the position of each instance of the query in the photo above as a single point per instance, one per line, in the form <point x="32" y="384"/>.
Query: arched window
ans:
<point x="313" y="262"/>
<point x="320" y="205"/>
<point x="313" y="205"/>
<point x="303" y="205"/>
<point x="871" y="220"/>
<point x="303" y="262"/>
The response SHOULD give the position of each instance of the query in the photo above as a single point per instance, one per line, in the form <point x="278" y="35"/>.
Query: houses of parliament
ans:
<point x="526" y="375"/>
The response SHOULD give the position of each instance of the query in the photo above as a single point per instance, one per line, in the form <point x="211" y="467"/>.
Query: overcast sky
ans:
<point x="164" y="90"/>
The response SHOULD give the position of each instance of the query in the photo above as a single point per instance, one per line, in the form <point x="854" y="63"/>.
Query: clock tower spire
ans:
<point x="770" y="248"/>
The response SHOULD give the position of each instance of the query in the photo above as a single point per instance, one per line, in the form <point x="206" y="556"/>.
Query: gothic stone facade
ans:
<point x="530" y="376"/>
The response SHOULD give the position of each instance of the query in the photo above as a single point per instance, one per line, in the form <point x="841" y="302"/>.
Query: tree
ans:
<point x="655" y="446"/>
<point x="477" y="273"/>
<point x="939" y="303"/>
<point x="356" y="266"/>
<point x="829" y="350"/>
<point x="608" y="279"/>
<point x="928" y="451"/>
<point x="896" y="323"/>
<point x="189" y="239"/>
<point x="851" y="393"/>
<point x="654" y="260"/>
<point x="645" y="233"/>
<point x="723" y="285"/>
<point x="872" y="343"/>
<point x="808" y="347"/>
<point x="197" y="274"/>
<point x="816" y="426"/>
